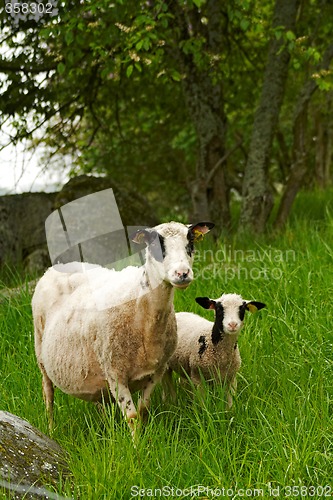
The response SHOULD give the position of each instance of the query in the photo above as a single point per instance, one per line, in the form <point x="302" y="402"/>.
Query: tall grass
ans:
<point x="278" y="435"/>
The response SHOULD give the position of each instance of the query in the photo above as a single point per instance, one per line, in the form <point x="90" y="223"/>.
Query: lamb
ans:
<point x="87" y="350"/>
<point x="210" y="349"/>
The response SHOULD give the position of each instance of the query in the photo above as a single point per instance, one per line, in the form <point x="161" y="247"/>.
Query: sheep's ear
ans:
<point x="197" y="231"/>
<point x="206" y="302"/>
<point x="144" y="236"/>
<point x="254" y="306"/>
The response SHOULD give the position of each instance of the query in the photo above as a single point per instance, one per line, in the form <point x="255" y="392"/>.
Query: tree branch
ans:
<point x="222" y="160"/>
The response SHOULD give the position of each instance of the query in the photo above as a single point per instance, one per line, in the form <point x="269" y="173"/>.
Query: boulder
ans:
<point x="22" y="218"/>
<point x="133" y="208"/>
<point x="29" y="460"/>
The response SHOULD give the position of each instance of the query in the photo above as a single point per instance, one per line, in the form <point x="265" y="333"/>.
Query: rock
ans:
<point x="22" y="218"/>
<point x="28" y="459"/>
<point x="134" y="208"/>
<point x="37" y="261"/>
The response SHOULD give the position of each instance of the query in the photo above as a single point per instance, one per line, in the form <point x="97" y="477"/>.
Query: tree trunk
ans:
<point x="299" y="152"/>
<point x="209" y="192"/>
<point x="257" y="195"/>
<point x="323" y="144"/>
<point x="299" y="167"/>
<point x="204" y="98"/>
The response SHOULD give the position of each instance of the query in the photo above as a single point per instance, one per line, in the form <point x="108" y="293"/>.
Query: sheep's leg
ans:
<point x="122" y="395"/>
<point x="144" y="400"/>
<point x="48" y="396"/>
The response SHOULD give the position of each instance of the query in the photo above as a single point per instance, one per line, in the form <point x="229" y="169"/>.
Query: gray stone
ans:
<point x="29" y="460"/>
<point x="22" y="218"/>
<point x="133" y="207"/>
<point x="37" y="261"/>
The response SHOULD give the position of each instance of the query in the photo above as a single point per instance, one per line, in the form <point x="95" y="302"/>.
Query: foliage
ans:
<point x="104" y="82"/>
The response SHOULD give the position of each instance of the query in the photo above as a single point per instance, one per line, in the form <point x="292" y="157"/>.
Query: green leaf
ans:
<point x="244" y="24"/>
<point x="290" y="36"/>
<point x="129" y="70"/>
<point x="61" y="68"/>
<point x="199" y="3"/>
<point x="139" y="44"/>
<point x="175" y="75"/>
<point x="146" y="43"/>
<point x="69" y="37"/>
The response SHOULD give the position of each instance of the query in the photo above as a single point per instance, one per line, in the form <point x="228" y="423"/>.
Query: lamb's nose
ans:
<point x="232" y="325"/>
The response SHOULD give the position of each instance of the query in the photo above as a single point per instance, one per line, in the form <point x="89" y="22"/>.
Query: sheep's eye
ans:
<point x="242" y="309"/>
<point x="157" y="248"/>
<point x="190" y="248"/>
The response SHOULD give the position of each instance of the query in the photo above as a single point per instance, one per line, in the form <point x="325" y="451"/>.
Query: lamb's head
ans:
<point x="229" y="310"/>
<point x="170" y="251"/>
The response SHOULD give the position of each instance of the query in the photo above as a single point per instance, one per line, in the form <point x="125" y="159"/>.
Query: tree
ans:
<point x="162" y="95"/>
<point x="299" y="166"/>
<point x="257" y="196"/>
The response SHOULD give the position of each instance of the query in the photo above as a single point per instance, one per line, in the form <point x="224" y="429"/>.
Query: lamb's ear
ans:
<point x="205" y="302"/>
<point x="144" y="236"/>
<point x="254" y="306"/>
<point x="197" y="231"/>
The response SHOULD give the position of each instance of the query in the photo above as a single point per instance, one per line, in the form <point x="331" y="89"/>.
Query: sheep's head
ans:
<point x="229" y="313"/>
<point x="170" y="251"/>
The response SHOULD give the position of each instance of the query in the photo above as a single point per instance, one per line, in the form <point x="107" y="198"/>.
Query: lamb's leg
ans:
<point x="48" y="395"/>
<point x="231" y="391"/>
<point x="168" y="387"/>
<point x="196" y="378"/>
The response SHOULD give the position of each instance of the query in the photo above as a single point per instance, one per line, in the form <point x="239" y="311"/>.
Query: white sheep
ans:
<point x="210" y="350"/>
<point x="86" y="349"/>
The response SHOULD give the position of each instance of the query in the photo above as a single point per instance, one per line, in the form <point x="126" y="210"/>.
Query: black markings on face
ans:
<point x="203" y="346"/>
<point x="217" y="331"/>
<point x="157" y="247"/>
<point x="242" y="310"/>
<point x="128" y="404"/>
<point x="190" y="246"/>
<point x="121" y="399"/>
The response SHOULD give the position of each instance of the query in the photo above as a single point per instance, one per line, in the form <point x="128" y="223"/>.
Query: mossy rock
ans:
<point x="29" y="461"/>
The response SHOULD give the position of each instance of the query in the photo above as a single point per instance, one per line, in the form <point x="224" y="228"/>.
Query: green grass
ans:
<point x="279" y="432"/>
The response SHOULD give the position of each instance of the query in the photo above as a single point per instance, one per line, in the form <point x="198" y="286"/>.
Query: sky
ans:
<point x="22" y="171"/>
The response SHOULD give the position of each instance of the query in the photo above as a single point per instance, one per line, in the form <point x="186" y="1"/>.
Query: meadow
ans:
<point x="276" y="441"/>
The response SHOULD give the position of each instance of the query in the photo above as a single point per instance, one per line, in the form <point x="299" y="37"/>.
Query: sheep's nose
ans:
<point x="182" y="275"/>
<point x="232" y="325"/>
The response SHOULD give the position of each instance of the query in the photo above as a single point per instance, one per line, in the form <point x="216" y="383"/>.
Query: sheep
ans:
<point x="210" y="350"/>
<point x="88" y="350"/>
